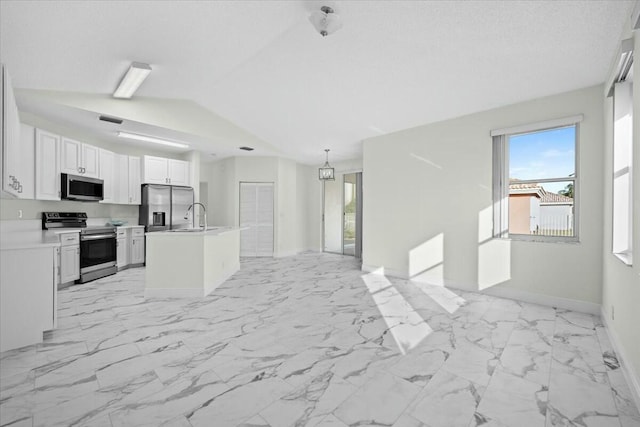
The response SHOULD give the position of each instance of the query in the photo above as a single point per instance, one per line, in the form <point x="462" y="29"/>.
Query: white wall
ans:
<point x="427" y="204"/>
<point x="309" y="206"/>
<point x="621" y="283"/>
<point x="297" y="198"/>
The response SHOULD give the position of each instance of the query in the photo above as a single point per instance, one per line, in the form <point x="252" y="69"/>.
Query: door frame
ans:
<point x="359" y="204"/>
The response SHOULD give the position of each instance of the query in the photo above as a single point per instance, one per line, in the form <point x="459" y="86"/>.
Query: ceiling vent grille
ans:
<point x="110" y="119"/>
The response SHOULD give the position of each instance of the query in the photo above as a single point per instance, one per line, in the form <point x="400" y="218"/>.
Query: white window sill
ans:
<point x="543" y="239"/>
<point x="627" y="259"/>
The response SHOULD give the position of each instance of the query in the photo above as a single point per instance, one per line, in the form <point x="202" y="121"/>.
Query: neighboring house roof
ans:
<point x="525" y="188"/>
<point x="557" y="199"/>
<point x="546" y="197"/>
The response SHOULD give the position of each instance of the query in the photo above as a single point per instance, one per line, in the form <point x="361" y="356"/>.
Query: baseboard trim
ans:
<point x="503" y="292"/>
<point x="630" y="375"/>
<point x="384" y="271"/>
<point x="548" y="300"/>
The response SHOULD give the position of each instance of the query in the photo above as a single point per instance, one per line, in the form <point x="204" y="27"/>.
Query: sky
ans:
<point x="545" y="154"/>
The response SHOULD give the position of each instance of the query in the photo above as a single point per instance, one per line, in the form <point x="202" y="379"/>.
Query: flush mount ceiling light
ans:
<point x="134" y="77"/>
<point x="325" y="173"/>
<point x="325" y="20"/>
<point x="151" y="139"/>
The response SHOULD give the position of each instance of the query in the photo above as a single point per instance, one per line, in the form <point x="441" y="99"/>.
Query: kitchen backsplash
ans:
<point x="32" y="209"/>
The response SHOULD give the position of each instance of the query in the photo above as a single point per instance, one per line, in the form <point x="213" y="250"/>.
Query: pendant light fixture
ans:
<point x="325" y="173"/>
<point x="325" y="20"/>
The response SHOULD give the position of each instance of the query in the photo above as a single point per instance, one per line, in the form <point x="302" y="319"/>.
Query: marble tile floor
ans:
<point x="312" y="341"/>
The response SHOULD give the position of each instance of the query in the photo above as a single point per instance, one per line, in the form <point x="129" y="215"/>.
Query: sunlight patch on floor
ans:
<point x="407" y="327"/>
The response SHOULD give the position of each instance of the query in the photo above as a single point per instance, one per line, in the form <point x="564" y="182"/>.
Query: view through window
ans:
<point x="542" y="181"/>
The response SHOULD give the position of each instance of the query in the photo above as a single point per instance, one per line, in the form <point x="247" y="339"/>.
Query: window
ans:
<point x="622" y="166"/>
<point x="536" y="181"/>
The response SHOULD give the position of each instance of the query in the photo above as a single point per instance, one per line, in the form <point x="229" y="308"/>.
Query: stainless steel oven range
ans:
<point x="97" y="253"/>
<point x="97" y="244"/>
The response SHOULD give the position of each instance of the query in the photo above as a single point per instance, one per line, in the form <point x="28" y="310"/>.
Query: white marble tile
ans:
<point x="309" y="404"/>
<point x="419" y="366"/>
<point x="406" y="420"/>
<point x="579" y="355"/>
<point x="574" y="400"/>
<point x="380" y="401"/>
<point x="473" y="363"/>
<point x="331" y="421"/>
<point x="512" y="401"/>
<point x="239" y="403"/>
<point x="292" y="340"/>
<point x="527" y="355"/>
<point x="447" y="401"/>
<point x="627" y="410"/>
<point x="256" y="421"/>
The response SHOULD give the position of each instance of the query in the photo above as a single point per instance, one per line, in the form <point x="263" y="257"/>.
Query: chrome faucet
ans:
<point x="204" y="210"/>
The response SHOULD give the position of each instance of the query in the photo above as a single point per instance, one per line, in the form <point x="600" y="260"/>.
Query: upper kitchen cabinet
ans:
<point x="47" y="166"/>
<point x="13" y="174"/>
<point x="135" y="196"/>
<point x="77" y="158"/>
<point x="159" y="170"/>
<point x="108" y="175"/>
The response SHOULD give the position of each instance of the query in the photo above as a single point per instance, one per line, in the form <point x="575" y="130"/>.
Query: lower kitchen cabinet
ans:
<point x="69" y="263"/>
<point x="122" y="249"/>
<point x="137" y="250"/>
<point x="130" y="247"/>
<point x="27" y="295"/>
<point x="69" y="257"/>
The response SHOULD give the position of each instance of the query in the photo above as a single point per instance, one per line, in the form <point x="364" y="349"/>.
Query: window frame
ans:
<point x="625" y="256"/>
<point x="501" y="180"/>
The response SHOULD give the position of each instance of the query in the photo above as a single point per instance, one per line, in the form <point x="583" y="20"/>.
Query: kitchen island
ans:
<point x="190" y="263"/>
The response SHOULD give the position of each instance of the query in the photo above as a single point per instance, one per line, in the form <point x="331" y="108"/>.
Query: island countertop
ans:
<point x="211" y="231"/>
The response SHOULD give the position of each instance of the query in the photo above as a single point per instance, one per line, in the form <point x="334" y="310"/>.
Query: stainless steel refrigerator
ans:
<point x="165" y="206"/>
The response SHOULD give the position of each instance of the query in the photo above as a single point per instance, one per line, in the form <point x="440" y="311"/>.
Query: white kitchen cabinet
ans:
<point x="122" y="248"/>
<point x="27" y="296"/>
<point x="155" y="170"/>
<point x="159" y="170"/>
<point x="77" y="158"/>
<point x="47" y="169"/>
<point x="108" y="175"/>
<point x="12" y="175"/>
<point x="179" y="172"/>
<point x="137" y="246"/>
<point x="69" y="257"/>
<point x="21" y="161"/>
<point x="135" y="192"/>
<point x="122" y="179"/>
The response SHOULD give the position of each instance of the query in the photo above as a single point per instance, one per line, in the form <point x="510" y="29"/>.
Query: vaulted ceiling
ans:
<point x="258" y="73"/>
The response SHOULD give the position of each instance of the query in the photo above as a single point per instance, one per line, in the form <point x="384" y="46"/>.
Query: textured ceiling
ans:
<point x="261" y="65"/>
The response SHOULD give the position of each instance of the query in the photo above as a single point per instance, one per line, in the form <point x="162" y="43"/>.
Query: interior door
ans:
<point x="256" y="219"/>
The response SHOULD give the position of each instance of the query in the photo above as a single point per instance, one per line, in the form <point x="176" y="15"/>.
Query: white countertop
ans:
<point x="211" y="231"/>
<point x="129" y="226"/>
<point x="31" y="239"/>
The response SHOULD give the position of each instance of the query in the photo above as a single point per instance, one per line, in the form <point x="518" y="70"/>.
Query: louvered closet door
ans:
<point x="256" y="215"/>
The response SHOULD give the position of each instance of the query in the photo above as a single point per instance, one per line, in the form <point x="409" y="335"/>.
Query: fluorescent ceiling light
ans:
<point x="151" y="139"/>
<point x="134" y="77"/>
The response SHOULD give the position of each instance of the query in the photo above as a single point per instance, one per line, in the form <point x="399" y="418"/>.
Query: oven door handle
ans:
<point x="98" y="236"/>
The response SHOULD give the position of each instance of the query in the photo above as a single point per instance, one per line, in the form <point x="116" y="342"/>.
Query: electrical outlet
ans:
<point x="613" y="313"/>
<point x="19" y="213"/>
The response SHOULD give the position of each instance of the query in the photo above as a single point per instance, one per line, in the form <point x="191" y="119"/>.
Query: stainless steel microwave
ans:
<point x="82" y="188"/>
